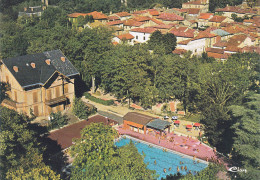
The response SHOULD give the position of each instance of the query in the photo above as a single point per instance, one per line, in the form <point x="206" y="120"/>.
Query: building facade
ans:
<point x="40" y="83"/>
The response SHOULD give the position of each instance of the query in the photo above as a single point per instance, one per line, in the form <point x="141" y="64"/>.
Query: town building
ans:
<point x="40" y="83"/>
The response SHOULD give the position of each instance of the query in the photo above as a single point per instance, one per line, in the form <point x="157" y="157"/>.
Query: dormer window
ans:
<point x="33" y="65"/>
<point x="62" y="58"/>
<point x="48" y="61"/>
<point x="15" y="68"/>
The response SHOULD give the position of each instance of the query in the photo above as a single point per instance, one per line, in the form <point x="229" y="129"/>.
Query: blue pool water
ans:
<point x="163" y="159"/>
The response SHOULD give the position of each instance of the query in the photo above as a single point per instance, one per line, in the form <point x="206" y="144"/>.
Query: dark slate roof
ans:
<point x="138" y="118"/>
<point x="28" y="76"/>
<point x="158" y="124"/>
<point x="112" y="116"/>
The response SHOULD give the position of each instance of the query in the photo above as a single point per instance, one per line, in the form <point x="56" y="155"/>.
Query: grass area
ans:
<point x="97" y="100"/>
<point x="192" y="117"/>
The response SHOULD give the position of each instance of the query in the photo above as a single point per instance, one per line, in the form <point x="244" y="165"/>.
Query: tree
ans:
<point x="20" y="147"/>
<point x="246" y="146"/>
<point x="80" y="109"/>
<point x="97" y="158"/>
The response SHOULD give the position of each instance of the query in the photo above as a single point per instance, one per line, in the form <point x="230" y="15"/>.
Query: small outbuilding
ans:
<point x="159" y="125"/>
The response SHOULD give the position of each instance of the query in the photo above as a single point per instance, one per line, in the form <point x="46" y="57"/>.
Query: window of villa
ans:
<point x="144" y="38"/>
<point x="136" y="37"/>
<point x="49" y="94"/>
<point x="58" y="91"/>
<point x="35" y="97"/>
<point x="66" y="88"/>
<point x="36" y="111"/>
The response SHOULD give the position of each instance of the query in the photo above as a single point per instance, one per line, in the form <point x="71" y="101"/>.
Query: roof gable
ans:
<point x="28" y="76"/>
<point x="138" y="118"/>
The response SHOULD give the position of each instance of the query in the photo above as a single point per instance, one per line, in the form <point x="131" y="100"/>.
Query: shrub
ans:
<point x="58" y="120"/>
<point x="97" y="100"/>
<point x="80" y="109"/>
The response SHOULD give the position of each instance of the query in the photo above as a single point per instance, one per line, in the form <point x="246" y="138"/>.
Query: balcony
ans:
<point x="56" y="100"/>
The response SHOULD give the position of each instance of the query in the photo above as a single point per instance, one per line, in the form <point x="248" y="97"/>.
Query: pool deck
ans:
<point x="185" y="145"/>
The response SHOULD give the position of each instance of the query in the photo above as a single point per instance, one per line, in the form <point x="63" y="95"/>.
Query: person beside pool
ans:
<point x="164" y="170"/>
<point x="182" y="167"/>
<point x="194" y="157"/>
<point x="185" y="168"/>
<point x="170" y="168"/>
<point x="178" y="169"/>
<point x="155" y="162"/>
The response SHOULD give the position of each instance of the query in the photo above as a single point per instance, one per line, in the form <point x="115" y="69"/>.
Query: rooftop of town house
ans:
<point x="180" y="10"/>
<point x="185" y="42"/>
<point x="157" y="21"/>
<point x="163" y="26"/>
<point x="132" y="22"/>
<point x="113" y="18"/>
<point x="204" y="34"/>
<point x="183" y="32"/>
<point x="123" y="14"/>
<point x="205" y="15"/>
<point x="228" y="9"/>
<point x="217" y="18"/>
<point x="97" y="15"/>
<point x="140" y="12"/>
<point x="233" y="48"/>
<point x="38" y="68"/>
<point x="153" y="12"/>
<point x="218" y="55"/>
<point x="251" y="49"/>
<point x="141" y="18"/>
<point x="198" y="2"/>
<point x="215" y="50"/>
<point x="170" y="17"/>
<point x="111" y="23"/>
<point x="125" y="36"/>
<point x="193" y="11"/>
<point x="220" y="44"/>
<point x="75" y="15"/>
<point x="179" y="51"/>
<point x="220" y="32"/>
<point x="144" y="30"/>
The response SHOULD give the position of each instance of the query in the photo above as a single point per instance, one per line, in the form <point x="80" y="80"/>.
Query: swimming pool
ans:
<point x="164" y="159"/>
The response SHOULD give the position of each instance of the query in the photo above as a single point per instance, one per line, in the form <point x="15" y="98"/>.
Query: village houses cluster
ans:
<point x="195" y="29"/>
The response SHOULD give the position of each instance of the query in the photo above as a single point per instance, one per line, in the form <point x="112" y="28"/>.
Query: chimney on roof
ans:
<point x="48" y="61"/>
<point x="15" y="68"/>
<point x="33" y="65"/>
<point x="62" y="58"/>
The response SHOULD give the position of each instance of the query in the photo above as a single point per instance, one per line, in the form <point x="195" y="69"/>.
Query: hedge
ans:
<point x="97" y="100"/>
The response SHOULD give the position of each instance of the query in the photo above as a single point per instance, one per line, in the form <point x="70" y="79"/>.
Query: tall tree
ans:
<point x="246" y="146"/>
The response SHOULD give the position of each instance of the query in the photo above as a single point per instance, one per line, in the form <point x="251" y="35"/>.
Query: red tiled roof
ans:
<point x="204" y="34"/>
<point x="215" y="50"/>
<point x="115" y="43"/>
<point x="142" y="18"/>
<point x="113" y="18"/>
<point x="237" y="40"/>
<point x="196" y="2"/>
<point x="153" y="12"/>
<point x="179" y="51"/>
<point x="123" y="14"/>
<point x="157" y="21"/>
<point x="111" y="23"/>
<point x="180" y="10"/>
<point x="132" y="22"/>
<point x="232" y="48"/>
<point x="125" y="36"/>
<point x="163" y="26"/>
<point x="140" y="12"/>
<point x="220" y="44"/>
<point x="217" y="18"/>
<point x="193" y="11"/>
<point x="144" y="30"/>
<point x="97" y="15"/>
<point x="217" y="55"/>
<point x="75" y="15"/>
<point x="183" y="32"/>
<point x="185" y="42"/>
<point x="205" y="15"/>
<point x="65" y="135"/>
<point x="170" y="17"/>
<point x="228" y="9"/>
<point x="251" y="49"/>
